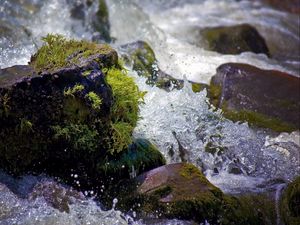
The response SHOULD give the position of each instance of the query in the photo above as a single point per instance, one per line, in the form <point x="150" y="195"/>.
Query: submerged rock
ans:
<point x="181" y="191"/>
<point x="70" y="111"/>
<point x="56" y="195"/>
<point x="290" y="203"/>
<point x="234" y="39"/>
<point x="142" y="59"/>
<point x="100" y="21"/>
<point x="265" y="98"/>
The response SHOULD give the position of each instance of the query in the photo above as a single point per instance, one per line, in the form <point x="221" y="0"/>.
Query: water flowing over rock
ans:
<point x="141" y="57"/>
<point x="265" y="98"/>
<point x="72" y="111"/>
<point x="181" y="191"/>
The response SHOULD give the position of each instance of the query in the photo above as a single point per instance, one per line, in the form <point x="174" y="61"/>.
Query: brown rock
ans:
<point x="266" y="98"/>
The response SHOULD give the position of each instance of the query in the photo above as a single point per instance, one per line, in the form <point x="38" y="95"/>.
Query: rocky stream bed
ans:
<point x="149" y="112"/>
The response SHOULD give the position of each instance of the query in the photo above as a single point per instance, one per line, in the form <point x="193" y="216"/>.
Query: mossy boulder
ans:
<point x="141" y="57"/>
<point x="234" y="39"/>
<point x="140" y="156"/>
<point x="290" y="203"/>
<point x="265" y="98"/>
<point x="70" y="111"/>
<point x="181" y="191"/>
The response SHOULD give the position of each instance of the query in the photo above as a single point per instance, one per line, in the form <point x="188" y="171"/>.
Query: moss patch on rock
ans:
<point x="142" y="59"/>
<point x="181" y="191"/>
<point x="263" y="98"/>
<point x="290" y="203"/>
<point x="127" y="98"/>
<point x="235" y="39"/>
<point x="59" y="52"/>
<point x="75" y="115"/>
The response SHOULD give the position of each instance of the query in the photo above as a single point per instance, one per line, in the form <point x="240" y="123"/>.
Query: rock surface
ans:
<point x="72" y="111"/>
<point x="56" y="195"/>
<point x="181" y="191"/>
<point x="142" y="59"/>
<point x="265" y="98"/>
<point x="234" y="39"/>
<point x="292" y="6"/>
<point x="290" y="203"/>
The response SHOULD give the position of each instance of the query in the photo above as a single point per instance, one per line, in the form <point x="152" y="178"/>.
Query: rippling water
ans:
<point x="179" y="121"/>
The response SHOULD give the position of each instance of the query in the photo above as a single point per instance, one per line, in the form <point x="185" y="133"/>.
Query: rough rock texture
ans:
<point x="142" y="59"/>
<point x="265" y="98"/>
<point x="181" y="191"/>
<point x="33" y="106"/>
<point x="57" y="196"/>
<point x="290" y="203"/>
<point x="234" y="39"/>
<point x="72" y="110"/>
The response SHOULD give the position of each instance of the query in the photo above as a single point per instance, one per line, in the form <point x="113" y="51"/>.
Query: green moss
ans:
<point x="79" y="137"/>
<point x="73" y="90"/>
<point x="25" y="126"/>
<point x="214" y="93"/>
<point x="75" y="110"/>
<point x="58" y="52"/>
<point x="260" y="120"/>
<point x="290" y="203"/>
<point x="86" y="73"/>
<point x="190" y="171"/>
<point x="125" y="108"/>
<point x="4" y="104"/>
<point x="253" y="118"/>
<point x="94" y="99"/>
<point x="141" y="156"/>
<point x="101" y="22"/>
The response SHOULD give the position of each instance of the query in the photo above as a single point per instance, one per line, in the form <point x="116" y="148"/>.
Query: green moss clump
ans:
<point x="253" y="118"/>
<point x="140" y="156"/>
<point x="58" y="52"/>
<point x="78" y="137"/>
<point x="258" y="119"/>
<point x="4" y="105"/>
<point x="125" y="108"/>
<point x="94" y="99"/>
<point x="214" y="93"/>
<point x="73" y="90"/>
<point x="75" y="110"/>
<point x="290" y="203"/>
<point x="25" y="126"/>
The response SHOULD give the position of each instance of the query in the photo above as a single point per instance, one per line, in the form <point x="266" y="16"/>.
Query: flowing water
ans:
<point x="181" y="123"/>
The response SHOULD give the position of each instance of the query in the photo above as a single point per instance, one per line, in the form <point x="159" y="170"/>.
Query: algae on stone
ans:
<point x="290" y="203"/>
<point x="58" y="52"/>
<point x="127" y="98"/>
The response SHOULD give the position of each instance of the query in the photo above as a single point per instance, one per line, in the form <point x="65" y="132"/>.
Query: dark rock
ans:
<point x="265" y="98"/>
<point x="292" y="6"/>
<point x="56" y="195"/>
<point x="290" y="203"/>
<point x="181" y="191"/>
<point x="234" y="39"/>
<point x="32" y="107"/>
<point x="140" y="156"/>
<point x="142" y="59"/>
